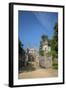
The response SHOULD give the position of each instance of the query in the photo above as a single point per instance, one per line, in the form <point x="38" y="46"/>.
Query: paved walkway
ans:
<point x="38" y="73"/>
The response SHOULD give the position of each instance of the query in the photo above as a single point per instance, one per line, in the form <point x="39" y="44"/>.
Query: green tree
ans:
<point x="49" y="42"/>
<point x="54" y="42"/>
<point x="21" y="50"/>
<point x="21" y="55"/>
<point x="44" y="37"/>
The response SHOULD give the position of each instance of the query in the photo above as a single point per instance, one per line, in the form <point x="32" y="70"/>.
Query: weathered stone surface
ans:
<point x="45" y="61"/>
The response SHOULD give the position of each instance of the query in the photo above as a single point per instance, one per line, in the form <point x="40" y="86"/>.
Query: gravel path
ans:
<point x="38" y="73"/>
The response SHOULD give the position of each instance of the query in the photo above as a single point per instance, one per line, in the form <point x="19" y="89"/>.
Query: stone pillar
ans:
<point x="47" y="60"/>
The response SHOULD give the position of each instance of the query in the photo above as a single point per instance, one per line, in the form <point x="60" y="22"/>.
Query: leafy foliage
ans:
<point x="44" y="37"/>
<point x="41" y="52"/>
<point x="21" y="50"/>
<point x="54" y="42"/>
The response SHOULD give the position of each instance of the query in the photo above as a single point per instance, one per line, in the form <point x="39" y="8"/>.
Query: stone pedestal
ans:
<point x="46" y="61"/>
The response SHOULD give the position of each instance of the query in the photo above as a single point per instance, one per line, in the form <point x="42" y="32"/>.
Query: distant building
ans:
<point x="46" y="47"/>
<point x="32" y="51"/>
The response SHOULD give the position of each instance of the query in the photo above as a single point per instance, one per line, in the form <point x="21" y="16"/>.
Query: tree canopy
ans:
<point x="21" y="50"/>
<point x="54" y="41"/>
<point x="44" y="37"/>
